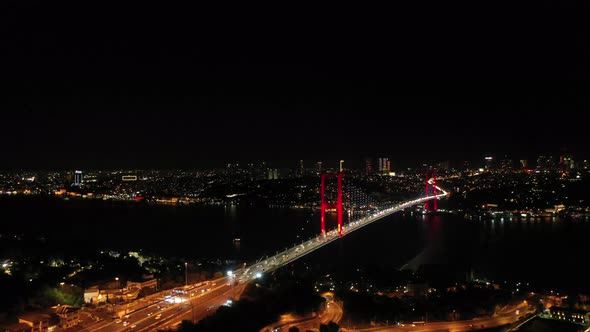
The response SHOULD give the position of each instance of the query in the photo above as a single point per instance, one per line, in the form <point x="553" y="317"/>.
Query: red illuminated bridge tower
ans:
<point x="431" y="189"/>
<point x="338" y="204"/>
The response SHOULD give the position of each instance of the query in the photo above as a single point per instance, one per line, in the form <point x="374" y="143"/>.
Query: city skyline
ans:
<point x="178" y="167"/>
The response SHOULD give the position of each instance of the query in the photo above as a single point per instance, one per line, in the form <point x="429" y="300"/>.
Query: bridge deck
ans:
<point x="289" y="255"/>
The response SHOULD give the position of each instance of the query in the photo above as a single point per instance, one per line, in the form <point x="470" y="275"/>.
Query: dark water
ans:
<point x="546" y="252"/>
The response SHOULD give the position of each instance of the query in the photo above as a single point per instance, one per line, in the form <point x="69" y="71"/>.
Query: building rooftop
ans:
<point x="18" y="327"/>
<point x="35" y="316"/>
<point x="65" y="309"/>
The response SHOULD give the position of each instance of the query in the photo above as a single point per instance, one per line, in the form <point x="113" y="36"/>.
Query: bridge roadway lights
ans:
<point x="325" y="205"/>
<point x="317" y="242"/>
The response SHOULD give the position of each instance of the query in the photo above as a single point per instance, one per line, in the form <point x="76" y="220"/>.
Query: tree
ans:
<point x="186" y="325"/>
<point x="333" y="327"/>
<point x="293" y="329"/>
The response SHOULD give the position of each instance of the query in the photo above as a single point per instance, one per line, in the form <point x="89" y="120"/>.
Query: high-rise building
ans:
<point x="545" y="163"/>
<point x="300" y="169"/>
<point x="523" y="163"/>
<point x="273" y="174"/>
<point x="506" y="163"/>
<point x="466" y="165"/>
<point x="566" y="162"/>
<point x="384" y="166"/>
<point x="488" y="162"/>
<point x="341" y="165"/>
<point x="78" y="178"/>
<point x="319" y="167"/>
<point x="443" y="165"/>
<point x="368" y="166"/>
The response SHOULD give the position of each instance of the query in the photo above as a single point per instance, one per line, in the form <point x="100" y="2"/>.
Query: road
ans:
<point x="332" y="313"/>
<point x="198" y="309"/>
<point x="508" y="316"/>
<point x="197" y="303"/>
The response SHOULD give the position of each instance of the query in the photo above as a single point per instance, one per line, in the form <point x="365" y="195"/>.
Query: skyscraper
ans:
<point x="384" y="166"/>
<point x="488" y="162"/>
<point x="273" y="174"/>
<point x="341" y="165"/>
<point x="545" y="163"/>
<point x="78" y="178"/>
<point x="566" y="162"/>
<point x="319" y="167"/>
<point x="368" y="166"/>
<point x="300" y="169"/>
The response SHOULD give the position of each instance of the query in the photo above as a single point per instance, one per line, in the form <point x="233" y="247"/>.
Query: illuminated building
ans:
<point x="300" y="169"/>
<point x="545" y="163"/>
<point x="566" y="162"/>
<point x="368" y="166"/>
<point x="78" y="178"/>
<point x="488" y="162"/>
<point x="384" y="166"/>
<point x="273" y="174"/>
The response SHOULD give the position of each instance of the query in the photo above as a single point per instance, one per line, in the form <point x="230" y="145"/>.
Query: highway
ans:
<point x="506" y="317"/>
<point x="170" y="308"/>
<point x="332" y="313"/>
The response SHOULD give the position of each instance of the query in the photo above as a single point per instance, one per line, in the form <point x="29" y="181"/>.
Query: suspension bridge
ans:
<point x="268" y="264"/>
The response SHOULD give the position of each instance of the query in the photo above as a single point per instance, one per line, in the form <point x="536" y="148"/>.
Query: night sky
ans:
<point x="156" y="86"/>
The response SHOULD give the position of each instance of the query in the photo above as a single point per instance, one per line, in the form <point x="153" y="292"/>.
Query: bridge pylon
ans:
<point x="430" y="182"/>
<point x="325" y="205"/>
